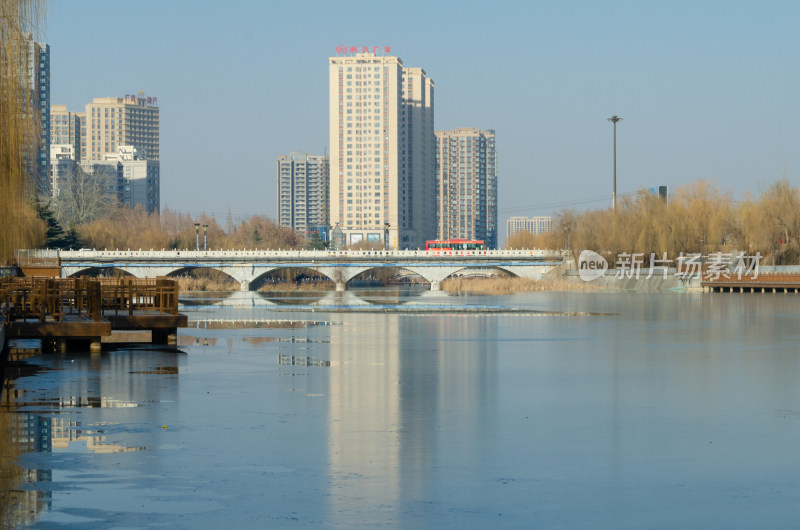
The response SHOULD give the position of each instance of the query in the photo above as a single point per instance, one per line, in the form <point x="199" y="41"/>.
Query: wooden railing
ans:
<point x="85" y="298"/>
<point x="159" y="295"/>
<point x="789" y="278"/>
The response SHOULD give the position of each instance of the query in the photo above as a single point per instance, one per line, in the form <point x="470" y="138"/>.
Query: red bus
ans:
<point x="455" y="244"/>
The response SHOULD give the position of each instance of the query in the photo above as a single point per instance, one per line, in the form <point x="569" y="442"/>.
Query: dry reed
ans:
<point x="510" y="285"/>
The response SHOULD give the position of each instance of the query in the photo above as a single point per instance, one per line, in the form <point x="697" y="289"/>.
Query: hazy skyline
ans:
<point x="706" y="91"/>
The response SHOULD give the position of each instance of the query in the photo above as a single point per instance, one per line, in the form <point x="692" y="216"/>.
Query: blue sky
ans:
<point x="707" y="90"/>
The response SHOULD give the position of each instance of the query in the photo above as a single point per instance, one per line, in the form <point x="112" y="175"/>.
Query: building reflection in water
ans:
<point x="397" y="379"/>
<point x="109" y="382"/>
<point x="23" y="433"/>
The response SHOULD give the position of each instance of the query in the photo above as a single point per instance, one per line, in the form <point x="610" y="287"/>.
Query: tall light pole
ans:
<point x="614" y="119"/>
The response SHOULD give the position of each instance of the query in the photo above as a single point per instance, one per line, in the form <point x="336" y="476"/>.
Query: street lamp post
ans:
<point x="614" y="119"/>
<point x="197" y="236"/>
<point x="205" y="237"/>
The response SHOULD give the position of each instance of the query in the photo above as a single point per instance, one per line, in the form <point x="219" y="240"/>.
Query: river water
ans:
<point x="626" y="411"/>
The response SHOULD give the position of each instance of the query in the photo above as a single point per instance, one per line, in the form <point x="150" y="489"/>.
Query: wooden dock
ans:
<point x="64" y="311"/>
<point x="765" y="282"/>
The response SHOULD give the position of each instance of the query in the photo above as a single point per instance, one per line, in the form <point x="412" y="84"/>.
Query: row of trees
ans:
<point x="124" y="228"/>
<point x="699" y="217"/>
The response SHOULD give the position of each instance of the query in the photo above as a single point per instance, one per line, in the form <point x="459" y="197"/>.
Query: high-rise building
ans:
<point x="38" y="71"/>
<point x="382" y="166"/>
<point x="466" y="185"/>
<point x="131" y="120"/>
<point x="534" y="225"/>
<point x="65" y="128"/>
<point x="303" y="192"/>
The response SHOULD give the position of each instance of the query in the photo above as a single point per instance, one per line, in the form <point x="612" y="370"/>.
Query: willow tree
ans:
<point x="20" y="127"/>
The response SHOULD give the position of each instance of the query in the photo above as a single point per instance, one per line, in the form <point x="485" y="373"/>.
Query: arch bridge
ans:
<point x="248" y="266"/>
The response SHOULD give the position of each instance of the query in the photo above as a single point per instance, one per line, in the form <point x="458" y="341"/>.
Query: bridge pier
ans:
<point x="341" y="286"/>
<point x="436" y="285"/>
<point x="244" y="285"/>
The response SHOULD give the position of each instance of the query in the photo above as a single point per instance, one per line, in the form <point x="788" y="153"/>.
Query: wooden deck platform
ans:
<point x="769" y="282"/>
<point x="64" y="311"/>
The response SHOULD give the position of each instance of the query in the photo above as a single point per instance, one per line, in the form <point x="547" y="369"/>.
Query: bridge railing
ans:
<point x="91" y="255"/>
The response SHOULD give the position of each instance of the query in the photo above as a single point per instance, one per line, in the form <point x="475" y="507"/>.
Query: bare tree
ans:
<point x="84" y="196"/>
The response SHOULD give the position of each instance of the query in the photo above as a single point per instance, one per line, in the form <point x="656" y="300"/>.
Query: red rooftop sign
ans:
<point x="344" y="50"/>
<point x="131" y="98"/>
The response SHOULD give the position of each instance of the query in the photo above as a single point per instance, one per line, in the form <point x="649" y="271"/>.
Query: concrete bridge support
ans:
<point x="340" y="274"/>
<point x="435" y="274"/>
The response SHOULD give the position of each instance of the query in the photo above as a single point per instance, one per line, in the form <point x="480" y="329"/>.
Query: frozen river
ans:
<point x="628" y="411"/>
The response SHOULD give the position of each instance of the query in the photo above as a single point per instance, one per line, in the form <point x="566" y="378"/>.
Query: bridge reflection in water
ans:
<point x="315" y="299"/>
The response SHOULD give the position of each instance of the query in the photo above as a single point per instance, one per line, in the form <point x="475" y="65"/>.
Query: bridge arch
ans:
<point x="263" y="274"/>
<point x="216" y="275"/>
<point x="95" y="270"/>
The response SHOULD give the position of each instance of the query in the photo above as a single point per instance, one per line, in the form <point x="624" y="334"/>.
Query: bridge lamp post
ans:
<point x="614" y="119"/>
<point x="205" y="237"/>
<point x="385" y="236"/>
<point x="197" y="236"/>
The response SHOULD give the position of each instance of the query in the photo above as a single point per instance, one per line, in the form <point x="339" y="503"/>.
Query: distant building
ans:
<point x="534" y="225"/>
<point x="63" y="164"/>
<point x="661" y="191"/>
<point x="38" y="72"/>
<point x="303" y="188"/>
<point x="382" y="160"/>
<point x="133" y="180"/>
<point x="466" y="185"/>
<point x="117" y="136"/>
<point x="65" y="128"/>
<point x="132" y="120"/>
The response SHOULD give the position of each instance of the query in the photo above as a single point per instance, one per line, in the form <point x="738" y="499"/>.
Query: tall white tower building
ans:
<point x="382" y="151"/>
